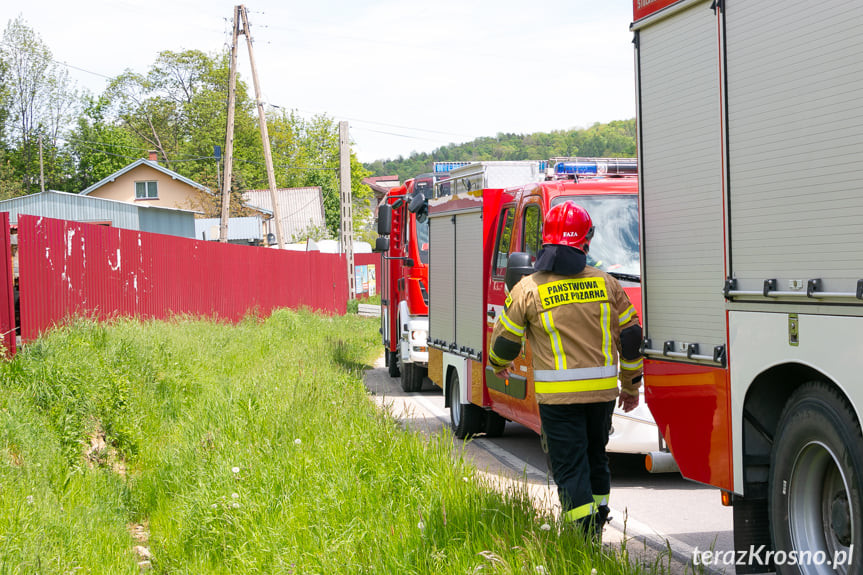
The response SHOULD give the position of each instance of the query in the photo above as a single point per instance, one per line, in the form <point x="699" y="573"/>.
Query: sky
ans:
<point x="408" y="75"/>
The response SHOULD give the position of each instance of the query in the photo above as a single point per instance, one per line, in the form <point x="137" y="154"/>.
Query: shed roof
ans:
<point x="89" y="209"/>
<point x="70" y="206"/>
<point x="299" y="208"/>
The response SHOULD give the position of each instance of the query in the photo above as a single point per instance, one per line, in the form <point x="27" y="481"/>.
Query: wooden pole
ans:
<point x="347" y="220"/>
<point x="41" y="167"/>
<point x="229" y="140"/>
<point x="265" y="138"/>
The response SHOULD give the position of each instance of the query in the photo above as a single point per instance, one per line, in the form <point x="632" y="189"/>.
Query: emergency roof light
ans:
<point x="570" y="167"/>
<point x="446" y="167"/>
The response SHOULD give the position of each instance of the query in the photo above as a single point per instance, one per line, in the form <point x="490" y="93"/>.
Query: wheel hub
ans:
<point x="840" y="518"/>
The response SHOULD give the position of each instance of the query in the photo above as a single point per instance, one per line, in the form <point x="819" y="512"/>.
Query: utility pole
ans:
<point x="229" y="140"/>
<point x="41" y="167"/>
<point x="265" y="138"/>
<point x="346" y="238"/>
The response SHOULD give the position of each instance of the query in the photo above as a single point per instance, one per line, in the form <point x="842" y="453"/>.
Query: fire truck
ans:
<point x="751" y="209"/>
<point x="404" y="244"/>
<point x="476" y="235"/>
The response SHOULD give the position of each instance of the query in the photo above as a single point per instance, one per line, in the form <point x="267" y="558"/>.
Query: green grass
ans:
<point x="249" y="448"/>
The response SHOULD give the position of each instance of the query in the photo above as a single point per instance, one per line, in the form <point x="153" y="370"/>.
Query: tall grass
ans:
<point x="249" y="448"/>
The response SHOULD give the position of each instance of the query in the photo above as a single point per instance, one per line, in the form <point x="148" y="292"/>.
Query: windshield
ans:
<point x="424" y="186"/>
<point x="614" y="247"/>
<point x="423" y="241"/>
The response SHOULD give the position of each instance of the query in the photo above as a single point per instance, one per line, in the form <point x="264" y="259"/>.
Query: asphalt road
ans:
<point x="652" y="513"/>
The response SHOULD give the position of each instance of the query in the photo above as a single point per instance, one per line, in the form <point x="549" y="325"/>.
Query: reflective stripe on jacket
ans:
<point x="573" y="324"/>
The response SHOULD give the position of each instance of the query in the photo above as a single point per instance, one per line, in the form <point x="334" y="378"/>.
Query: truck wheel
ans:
<point x="816" y="470"/>
<point x="494" y="424"/>
<point x="392" y="363"/>
<point x="467" y="419"/>
<point x="412" y="377"/>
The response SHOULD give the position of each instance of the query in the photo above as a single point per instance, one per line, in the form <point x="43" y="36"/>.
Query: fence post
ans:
<point x="7" y="288"/>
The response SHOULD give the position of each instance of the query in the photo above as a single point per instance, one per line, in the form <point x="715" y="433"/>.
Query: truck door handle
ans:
<point x="491" y="313"/>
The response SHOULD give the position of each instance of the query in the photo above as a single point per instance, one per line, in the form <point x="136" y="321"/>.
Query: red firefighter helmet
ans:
<point x="568" y="224"/>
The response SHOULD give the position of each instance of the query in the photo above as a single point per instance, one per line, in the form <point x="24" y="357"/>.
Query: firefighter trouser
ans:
<point x="576" y="436"/>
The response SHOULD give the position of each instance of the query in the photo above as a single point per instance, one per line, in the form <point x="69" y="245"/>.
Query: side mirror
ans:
<point x="518" y="265"/>
<point x="385" y="219"/>
<point x="416" y="202"/>
<point x="382" y="245"/>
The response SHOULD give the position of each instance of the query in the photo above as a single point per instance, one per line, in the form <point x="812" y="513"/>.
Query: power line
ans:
<point x="286" y="167"/>
<point x="66" y="64"/>
<point x="400" y="135"/>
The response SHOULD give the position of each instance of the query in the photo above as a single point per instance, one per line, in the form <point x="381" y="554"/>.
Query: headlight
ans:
<point x="418" y="335"/>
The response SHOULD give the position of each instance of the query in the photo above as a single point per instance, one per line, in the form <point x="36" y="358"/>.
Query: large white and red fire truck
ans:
<point x="750" y="151"/>
<point x="405" y="249"/>
<point x="474" y="236"/>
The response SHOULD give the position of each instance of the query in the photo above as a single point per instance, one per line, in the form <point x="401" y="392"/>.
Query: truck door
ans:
<point x="529" y="240"/>
<point x="513" y="397"/>
<point x="498" y="387"/>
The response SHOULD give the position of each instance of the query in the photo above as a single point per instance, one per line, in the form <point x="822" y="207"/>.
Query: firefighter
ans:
<point x="581" y="325"/>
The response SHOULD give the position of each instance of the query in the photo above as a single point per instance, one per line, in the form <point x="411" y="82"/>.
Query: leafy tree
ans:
<point x="179" y="109"/>
<point x="10" y="184"/>
<point x="306" y="153"/>
<point x="100" y="147"/>
<point x="40" y="103"/>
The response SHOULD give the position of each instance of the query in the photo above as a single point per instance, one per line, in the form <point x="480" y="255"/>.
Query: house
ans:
<point x="146" y="182"/>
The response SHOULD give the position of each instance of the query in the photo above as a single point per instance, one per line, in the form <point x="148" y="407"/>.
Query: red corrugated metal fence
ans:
<point x="70" y="268"/>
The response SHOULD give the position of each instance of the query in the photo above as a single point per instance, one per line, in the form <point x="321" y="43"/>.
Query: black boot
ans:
<point x="591" y="528"/>
<point x="602" y="517"/>
<point x="603" y="512"/>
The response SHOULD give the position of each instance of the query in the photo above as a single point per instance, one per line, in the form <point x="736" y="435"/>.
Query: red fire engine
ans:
<point x="405" y="248"/>
<point x="474" y="236"/>
<point x="403" y="243"/>
<point x="751" y="211"/>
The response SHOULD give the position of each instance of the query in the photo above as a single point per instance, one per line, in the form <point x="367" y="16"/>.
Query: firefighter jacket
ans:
<point x="573" y="323"/>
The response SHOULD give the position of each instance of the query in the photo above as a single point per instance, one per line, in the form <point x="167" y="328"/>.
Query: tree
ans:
<point x="179" y="109"/>
<point x="41" y="101"/>
<point x="306" y="153"/>
<point x="10" y="185"/>
<point x="100" y="147"/>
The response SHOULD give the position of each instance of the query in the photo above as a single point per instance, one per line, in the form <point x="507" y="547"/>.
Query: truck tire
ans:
<point x="412" y="377"/>
<point x="392" y="363"/>
<point x="494" y="424"/>
<point x="816" y="470"/>
<point x="466" y="419"/>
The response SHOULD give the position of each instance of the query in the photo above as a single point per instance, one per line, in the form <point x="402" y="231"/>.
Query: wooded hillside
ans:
<point x="613" y="140"/>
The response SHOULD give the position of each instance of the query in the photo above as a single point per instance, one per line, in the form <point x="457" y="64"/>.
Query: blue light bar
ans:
<point x="577" y="168"/>
<point x="446" y="167"/>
